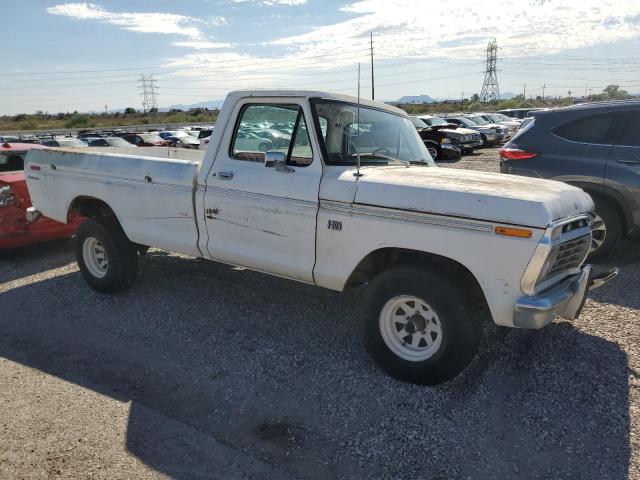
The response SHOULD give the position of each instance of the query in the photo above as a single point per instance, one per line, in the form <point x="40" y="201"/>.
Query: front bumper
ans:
<point x="450" y="151"/>
<point x="564" y="300"/>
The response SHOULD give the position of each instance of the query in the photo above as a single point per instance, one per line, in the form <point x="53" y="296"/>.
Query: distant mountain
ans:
<point x="416" y="99"/>
<point x="211" y="105"/>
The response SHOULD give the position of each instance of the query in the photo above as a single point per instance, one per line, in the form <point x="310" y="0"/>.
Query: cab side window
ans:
<point x="281" y="128"/>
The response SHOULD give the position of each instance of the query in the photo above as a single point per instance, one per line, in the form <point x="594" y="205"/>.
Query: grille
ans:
<point x="570" y="255"/>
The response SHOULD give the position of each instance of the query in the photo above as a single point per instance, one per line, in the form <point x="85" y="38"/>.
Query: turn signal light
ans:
<point x="513" y="232"/>
<point x="516" y="154"/>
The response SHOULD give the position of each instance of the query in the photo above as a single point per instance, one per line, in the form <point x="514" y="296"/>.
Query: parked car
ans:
<point x="19" y="226"/>
<point x="354" y="199"/>
<point x="520" y="113"/>
<point x="9" y="139"/>
<point x="503" y="134"/>
<point x="145" y="139"/>
<point x="251" y="141"/>
<point x="180" y="138"/>
<point x="465" y="139"/>
<point x="204" y="133"/>
<point x="595" y="147"/>
<point x="64" y="142"/>
<point x="489" y="136"/>
<point x="438" y="144"/>
<point x="110" y="142"/>
<point x="502" y="120"/>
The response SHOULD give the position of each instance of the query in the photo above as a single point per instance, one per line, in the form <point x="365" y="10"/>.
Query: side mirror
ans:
<point x="278" y="160"/>
<point x="272" y="158"/>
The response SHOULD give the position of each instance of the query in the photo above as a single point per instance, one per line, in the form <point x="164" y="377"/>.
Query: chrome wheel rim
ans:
<point x="598" y="233"/>
<point x="95" y="257"/>
<point x="433" y="152"/>
<point x="410" y="328"/>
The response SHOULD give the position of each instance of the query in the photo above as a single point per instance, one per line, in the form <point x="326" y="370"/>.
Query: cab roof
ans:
<point x="308" y="94"/>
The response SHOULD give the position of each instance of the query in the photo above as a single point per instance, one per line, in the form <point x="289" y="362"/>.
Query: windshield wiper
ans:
<point x="383" y="157"/>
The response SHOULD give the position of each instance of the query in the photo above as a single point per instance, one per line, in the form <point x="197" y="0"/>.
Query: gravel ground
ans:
<point x="206" y="371"/>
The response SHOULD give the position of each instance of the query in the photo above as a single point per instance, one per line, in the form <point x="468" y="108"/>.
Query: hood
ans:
<point x="461" y="131"/>
<point x="493" y="197"/>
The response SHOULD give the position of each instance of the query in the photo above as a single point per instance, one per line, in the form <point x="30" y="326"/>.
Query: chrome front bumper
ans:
<point x="563" y="300"/>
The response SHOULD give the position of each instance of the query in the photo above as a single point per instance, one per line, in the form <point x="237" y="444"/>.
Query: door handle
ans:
<point x="628" y="160"/>
<point x="225" y="175"/>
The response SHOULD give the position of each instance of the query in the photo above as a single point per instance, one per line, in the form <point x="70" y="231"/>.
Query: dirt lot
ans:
<point x="205" y="371"/>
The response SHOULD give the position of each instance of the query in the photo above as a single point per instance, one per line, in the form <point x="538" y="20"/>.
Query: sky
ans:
<point x="67" y="56"/>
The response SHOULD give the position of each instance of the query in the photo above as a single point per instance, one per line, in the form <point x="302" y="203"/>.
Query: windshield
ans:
<point x="380" y="138"/>
<point x="435" y="121"/>
<point x="150" y="137"/>
<point x="71" y="142"/>
<point x="498" y="117"/>
<point x="117" y="142"/>
<point x="467" y="122"/>
<point x="479" y="120"/>
<point x="418" y="122"/>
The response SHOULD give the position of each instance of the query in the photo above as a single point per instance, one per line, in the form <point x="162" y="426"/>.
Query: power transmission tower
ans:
<point x="148" y="93"/>
<point x="490" y="90"/>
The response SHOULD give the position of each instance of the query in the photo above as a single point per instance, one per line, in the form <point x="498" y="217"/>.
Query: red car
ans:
<point x="17" y="227"/>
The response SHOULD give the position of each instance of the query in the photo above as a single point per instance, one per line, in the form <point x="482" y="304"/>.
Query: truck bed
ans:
<point x="152" y="195"/>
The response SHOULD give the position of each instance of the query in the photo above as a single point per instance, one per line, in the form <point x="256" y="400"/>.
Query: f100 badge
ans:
<point x="334" y="225"/>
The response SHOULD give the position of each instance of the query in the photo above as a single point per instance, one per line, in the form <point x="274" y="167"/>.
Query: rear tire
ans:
<point x="607" y="230"/>
<point x="107" y="259"/>
<point x="418" y="325"/>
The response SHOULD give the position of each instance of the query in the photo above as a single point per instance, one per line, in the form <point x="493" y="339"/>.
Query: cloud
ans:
<point x="201" y="44"/>
<point x="463" y="28"/>
<point x="285" y="3"/>
<point x="147" y="22"/>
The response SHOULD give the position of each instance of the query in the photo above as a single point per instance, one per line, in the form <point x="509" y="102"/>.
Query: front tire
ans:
<point x="433" y="150"/>
<point x="606" y="230"/>
<point x="107" y="259"/>
<point x="418" y="325"/>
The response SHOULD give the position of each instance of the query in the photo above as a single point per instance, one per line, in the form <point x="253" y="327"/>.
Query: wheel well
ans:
<point x="90" y="207"/>
<point x="614" y="203"/>
<point x="384" y="259"/>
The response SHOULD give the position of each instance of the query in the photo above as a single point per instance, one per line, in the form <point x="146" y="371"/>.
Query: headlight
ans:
<point x="445" y="140"/>
<point x="548" y="263"/>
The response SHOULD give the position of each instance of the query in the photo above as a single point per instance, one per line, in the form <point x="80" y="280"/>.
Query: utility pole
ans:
<point x="544" y="87"/>
<point x="462" y="100"/>
<point x="490" y="91"/>
<point x="524" y="91"/>
<point x="373" y="94"/>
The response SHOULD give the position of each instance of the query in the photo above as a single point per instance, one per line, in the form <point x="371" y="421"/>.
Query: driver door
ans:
<point x="262" y="216"/>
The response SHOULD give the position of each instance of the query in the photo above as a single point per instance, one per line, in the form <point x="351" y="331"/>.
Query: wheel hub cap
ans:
<point x="95" y="257"/>
<point x="410" y="328"/>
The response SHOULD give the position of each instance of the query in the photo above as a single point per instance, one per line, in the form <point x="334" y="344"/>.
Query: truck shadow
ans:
<point x="275" y="372"/>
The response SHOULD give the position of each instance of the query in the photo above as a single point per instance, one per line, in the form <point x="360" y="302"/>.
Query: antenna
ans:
<point x="373" y="94"/>
<point x="358" y="174"/>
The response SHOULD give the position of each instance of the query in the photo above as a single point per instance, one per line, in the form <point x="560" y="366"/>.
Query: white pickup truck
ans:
<point x="279" y="191"/>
